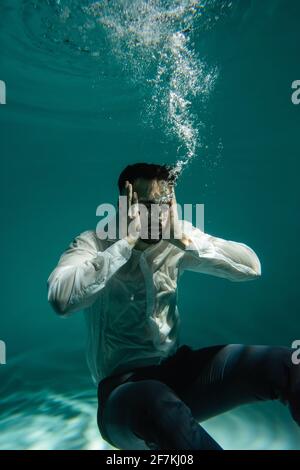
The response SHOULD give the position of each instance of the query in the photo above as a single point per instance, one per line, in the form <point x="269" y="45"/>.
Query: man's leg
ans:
<point x="147" y="414"/>
<point x="238" y="374"/>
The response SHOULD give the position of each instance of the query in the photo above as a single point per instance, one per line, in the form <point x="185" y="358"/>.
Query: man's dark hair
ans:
<point x="147" y="171"/>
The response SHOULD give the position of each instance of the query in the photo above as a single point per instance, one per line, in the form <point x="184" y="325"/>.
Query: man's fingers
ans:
<point x="128" y="186"/>
<point x="135" y="202"/>
<point x="135" y="198"/>
<point x="172" y="208"/>
<point x="129" y="193"/>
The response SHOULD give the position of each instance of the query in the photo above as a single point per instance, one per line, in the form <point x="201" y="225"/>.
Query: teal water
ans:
<point x="93" y="86"/>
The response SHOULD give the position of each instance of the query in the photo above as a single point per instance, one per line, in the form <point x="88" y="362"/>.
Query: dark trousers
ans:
<point x="159" y="407"/>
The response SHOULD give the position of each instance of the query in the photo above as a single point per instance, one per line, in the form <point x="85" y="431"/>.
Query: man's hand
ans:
<point x="177" y="237"/>
<point x="133" y="219"/>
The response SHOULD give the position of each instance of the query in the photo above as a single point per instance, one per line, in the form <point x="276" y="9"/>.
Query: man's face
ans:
<point x="158" y="193"/>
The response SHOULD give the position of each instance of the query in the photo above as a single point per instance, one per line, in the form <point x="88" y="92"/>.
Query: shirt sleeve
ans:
<point x="82" y="271"/>
<point x="223" y="258"/>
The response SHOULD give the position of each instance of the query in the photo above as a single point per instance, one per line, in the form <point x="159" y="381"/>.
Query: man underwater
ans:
<point x="152" y="392"/>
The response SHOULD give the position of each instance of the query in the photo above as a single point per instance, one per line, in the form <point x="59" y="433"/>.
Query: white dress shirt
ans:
<point x="130" y="297"/>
